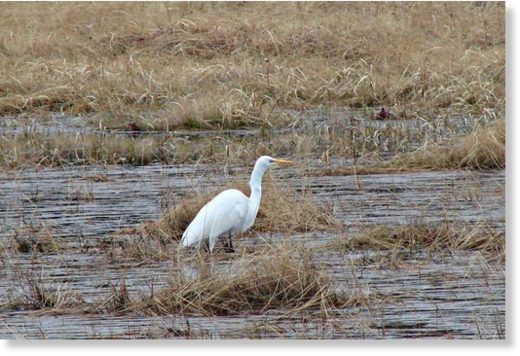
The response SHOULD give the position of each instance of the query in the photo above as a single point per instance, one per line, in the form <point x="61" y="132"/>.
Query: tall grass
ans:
<point x="483" y="148"/>
<point x="230" y="64"/>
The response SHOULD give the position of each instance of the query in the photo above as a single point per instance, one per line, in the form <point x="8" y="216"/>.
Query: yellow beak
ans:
<point x="283" y="161"/>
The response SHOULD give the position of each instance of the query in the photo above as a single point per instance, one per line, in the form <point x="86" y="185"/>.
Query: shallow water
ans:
<point x="458" y="295"/>
<point x="73" y="203"/>
<point x="386" y="137"/>
<point x="444" y="294"/>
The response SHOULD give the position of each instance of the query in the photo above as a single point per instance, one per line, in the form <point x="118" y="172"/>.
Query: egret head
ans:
<point x="261" y="165"/>
<point x="266" y="161"/>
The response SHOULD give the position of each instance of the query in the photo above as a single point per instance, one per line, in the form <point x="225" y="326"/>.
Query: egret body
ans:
<point x="230" y="212"/>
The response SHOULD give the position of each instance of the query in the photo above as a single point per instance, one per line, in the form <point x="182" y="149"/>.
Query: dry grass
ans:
<point x="35" y="294"/>
<point x="33" y="148"/>
<point x="35" y="238"/>
<point x="232" y="64"/>
<point x="281" y="210"/>
<point x="483" y="148"/>
<point x="118" y="299"/>
<point x="440" y="237"/>
<point x="273" y="279"/>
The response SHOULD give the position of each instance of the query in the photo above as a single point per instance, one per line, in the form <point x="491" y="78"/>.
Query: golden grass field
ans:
<point x="165" y="66"/>
<point x="231" y="64"/>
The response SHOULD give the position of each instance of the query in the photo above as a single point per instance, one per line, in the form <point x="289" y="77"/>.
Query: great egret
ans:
<point x="229" y="212"/>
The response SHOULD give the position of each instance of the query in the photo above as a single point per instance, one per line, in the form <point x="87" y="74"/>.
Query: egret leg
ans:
<point x="228" y="247"/>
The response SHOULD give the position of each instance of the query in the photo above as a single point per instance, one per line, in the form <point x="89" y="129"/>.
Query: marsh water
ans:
<point x="441" y="294"/>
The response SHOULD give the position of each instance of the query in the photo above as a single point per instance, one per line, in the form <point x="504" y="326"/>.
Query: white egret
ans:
<point x="229" y="212"/>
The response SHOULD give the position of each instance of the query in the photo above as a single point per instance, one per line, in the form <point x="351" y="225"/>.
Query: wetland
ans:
<point x="118" y="121"/>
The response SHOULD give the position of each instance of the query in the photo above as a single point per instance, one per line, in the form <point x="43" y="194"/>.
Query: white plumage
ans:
<point x="230" y="212"/>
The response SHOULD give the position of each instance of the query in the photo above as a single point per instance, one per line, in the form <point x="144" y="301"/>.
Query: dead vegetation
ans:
<point x="430" y="237"/>
<point x="34" y="239"/>
<point x="35" y="294"/>
<point x="117" y="300"/>
<point x="37" y="149"/>
<point x="165" y="66"/>
<point x="274" y="279"/>
<point x="484" y="148"/>
<point x="231" y="64"/>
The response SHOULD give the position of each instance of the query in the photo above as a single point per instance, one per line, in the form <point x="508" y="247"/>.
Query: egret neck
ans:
<point x="256" y="186"/>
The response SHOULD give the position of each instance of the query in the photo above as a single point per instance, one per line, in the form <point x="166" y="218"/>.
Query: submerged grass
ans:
<point x="375" y="147"/>
<point x="276" y="279"/>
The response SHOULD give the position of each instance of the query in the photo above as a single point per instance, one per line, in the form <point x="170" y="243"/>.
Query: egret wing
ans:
<point x="222" y="215"/>
<point x="196" y="232"/>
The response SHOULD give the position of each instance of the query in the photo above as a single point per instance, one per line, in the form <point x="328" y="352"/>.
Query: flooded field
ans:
<point x="65" y="232"/>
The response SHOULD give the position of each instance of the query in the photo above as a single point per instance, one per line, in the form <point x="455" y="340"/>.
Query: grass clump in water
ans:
<point x="442" y="237"/>
<point x="484" y="148"/>
<point x="35" y="238"/>
<point x="35" y="294"/>
<point x="273" y="279"/>
<point x="34" y="148"/>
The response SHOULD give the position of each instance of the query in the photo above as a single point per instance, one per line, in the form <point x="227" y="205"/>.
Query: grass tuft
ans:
<point x="484" y="148"/>
<point x="440" y="237"/>
<point x="35" y="294"/>
<point x="274" y="279"/>
<point x="35" y="238"/>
